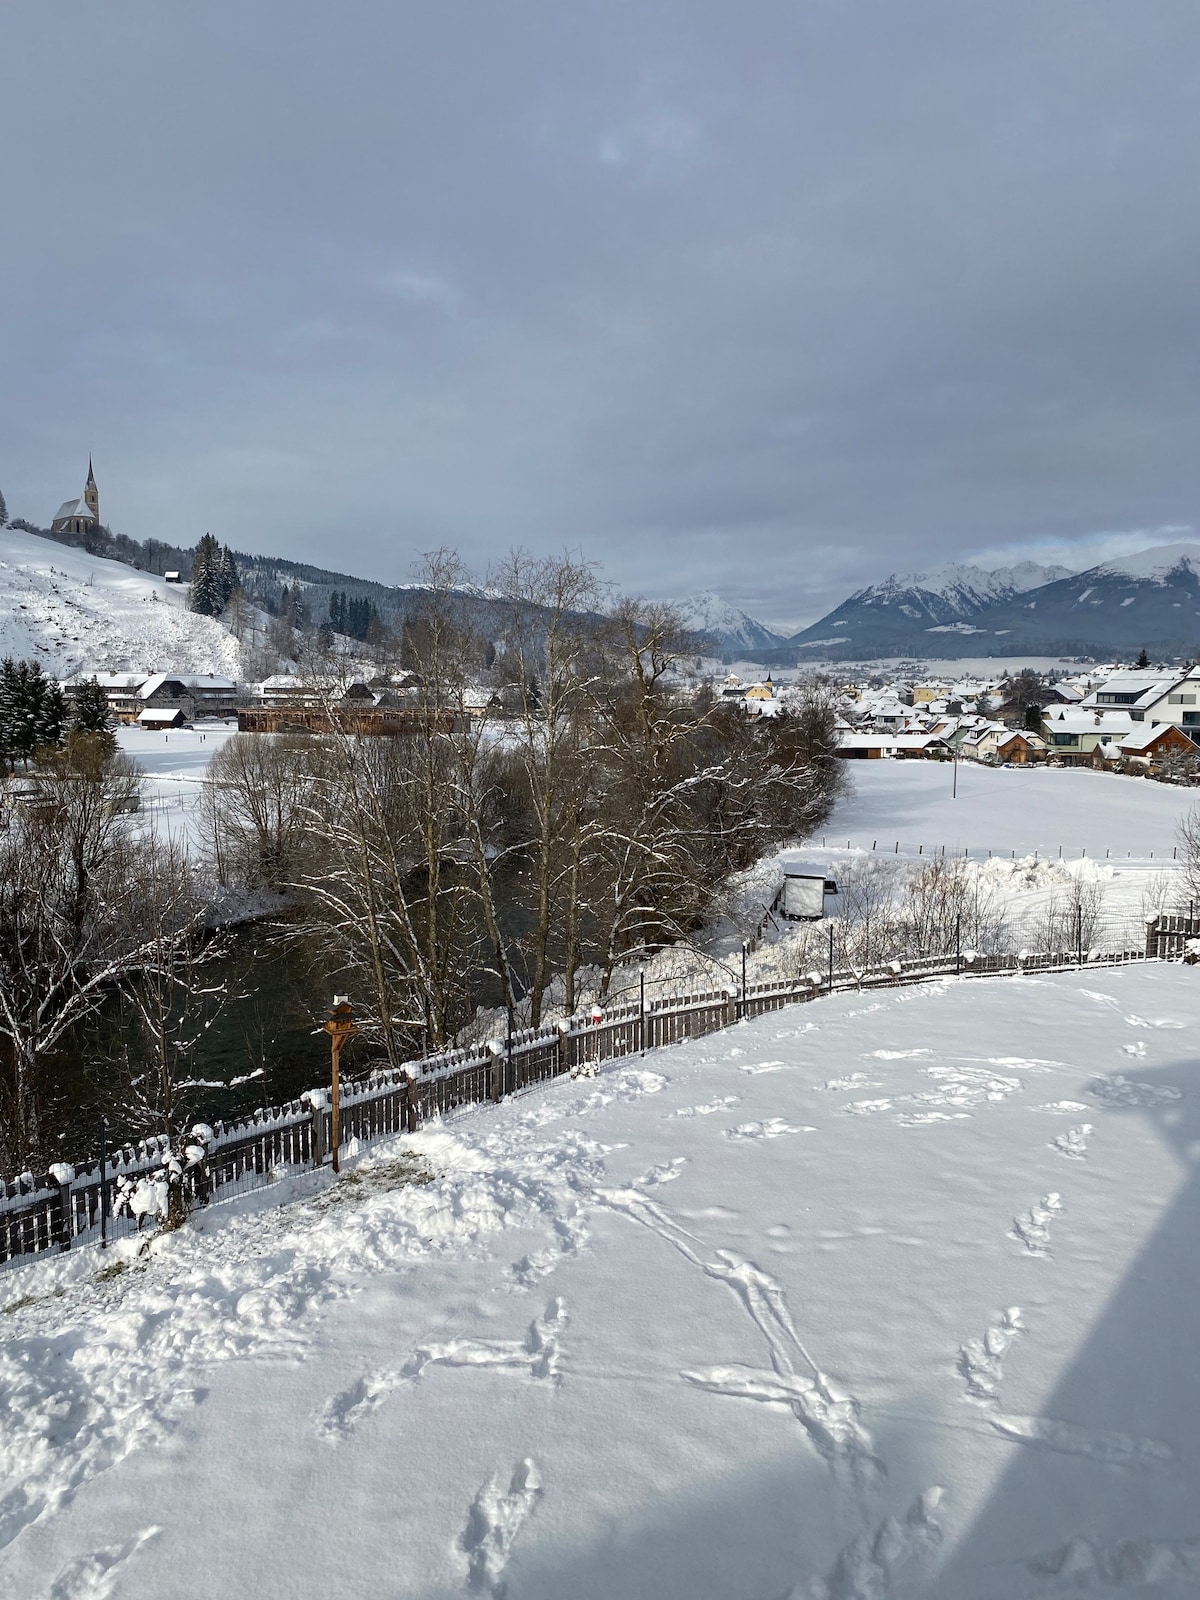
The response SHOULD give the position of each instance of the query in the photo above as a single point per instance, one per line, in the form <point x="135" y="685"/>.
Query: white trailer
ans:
<point x="804" y="891"/>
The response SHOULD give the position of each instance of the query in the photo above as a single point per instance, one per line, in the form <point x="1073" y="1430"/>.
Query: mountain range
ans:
<point x="1116" y="608"/>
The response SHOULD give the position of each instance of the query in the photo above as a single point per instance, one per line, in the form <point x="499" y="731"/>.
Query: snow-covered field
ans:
<point x="175" y="765"/>
<point x="74" y="612"/>
<point x="877" y="1297"/>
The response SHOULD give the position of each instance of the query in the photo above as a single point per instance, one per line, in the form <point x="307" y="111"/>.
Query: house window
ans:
<point x="1191" y="719"/>
<point x="1181" y="700"/>
<point x="1061" y="739"/>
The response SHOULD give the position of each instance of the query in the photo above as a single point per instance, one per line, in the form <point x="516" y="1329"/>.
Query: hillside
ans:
<point x="75" y="612"/>
<point x="909" y="612"/>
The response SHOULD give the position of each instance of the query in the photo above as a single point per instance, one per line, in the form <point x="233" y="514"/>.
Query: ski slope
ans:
<point x="74" y="612"/>
<point x="884" y="1296"/>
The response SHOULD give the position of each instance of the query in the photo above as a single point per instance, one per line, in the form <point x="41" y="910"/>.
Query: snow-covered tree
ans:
<point x="32" y="711"/>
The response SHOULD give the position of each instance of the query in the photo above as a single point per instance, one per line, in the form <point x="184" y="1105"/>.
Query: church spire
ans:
<point x="91" y="494"/>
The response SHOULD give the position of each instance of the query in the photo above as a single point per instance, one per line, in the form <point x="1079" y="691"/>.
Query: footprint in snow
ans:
<point x="1073" y="1143"/>
<point x="93" y="1576"/>
<point x="495" y="1519"/>
<point x="771" y="1128"/>
<point x="1115" y="1090"/>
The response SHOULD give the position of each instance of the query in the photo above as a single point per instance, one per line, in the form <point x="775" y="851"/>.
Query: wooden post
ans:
<point x="340" y="1026"/>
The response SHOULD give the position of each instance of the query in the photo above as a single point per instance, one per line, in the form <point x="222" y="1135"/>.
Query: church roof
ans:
<point x="74" y="508"/>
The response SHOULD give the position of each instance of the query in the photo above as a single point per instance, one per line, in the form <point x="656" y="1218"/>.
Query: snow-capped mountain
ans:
<point x="75" y="612"/>
<point x="884" y="616"/>
<point x="732" y="631"/>
<point x="1151" y="599"/>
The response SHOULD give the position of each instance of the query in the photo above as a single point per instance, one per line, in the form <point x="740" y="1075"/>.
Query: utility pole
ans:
<point x="831" y="955"/>
<point x="1079" y="933"/>
<point x="954" y="786"/>
<point x="340" y="1026"/>
<point x="743" y="977"/>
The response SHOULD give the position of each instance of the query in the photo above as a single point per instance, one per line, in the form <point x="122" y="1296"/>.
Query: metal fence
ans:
<point x="66" y="1207"/>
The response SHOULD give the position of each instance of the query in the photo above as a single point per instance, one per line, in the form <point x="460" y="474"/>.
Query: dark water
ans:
<point x="263" y="1045"/>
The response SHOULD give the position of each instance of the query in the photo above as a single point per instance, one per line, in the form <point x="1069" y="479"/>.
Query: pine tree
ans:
<point x="32" y="711"/>
<point x="3" y="512"/>
<point x="1143" y="659"/>
<point x="89" y="709"/>
<point x="205" y="596"/>
<point x="227" y="576"/>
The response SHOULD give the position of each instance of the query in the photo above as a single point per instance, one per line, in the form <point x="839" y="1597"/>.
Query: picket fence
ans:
<point x="66" y="1207"/>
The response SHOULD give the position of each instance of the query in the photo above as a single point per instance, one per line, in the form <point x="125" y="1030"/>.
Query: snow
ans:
<point x="887" y="1295"/>
<point x="1005" y="809"/>
<point x="1155" y="563"/>
<point x="968" y="585"/>
<point x="708" y="613"/>
<point x="175" y="764"/>
<point x="78" y="613"/>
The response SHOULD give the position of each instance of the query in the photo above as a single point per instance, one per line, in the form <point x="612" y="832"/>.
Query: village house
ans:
<point x="1073" y="736"/>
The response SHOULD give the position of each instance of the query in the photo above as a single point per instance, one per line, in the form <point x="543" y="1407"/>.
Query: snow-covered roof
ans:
<point x="74" y="508"/>
<point x="1107" y="723"/>
<point x="189" y="680"/>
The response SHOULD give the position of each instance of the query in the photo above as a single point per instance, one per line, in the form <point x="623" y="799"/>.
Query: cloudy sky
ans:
<point x="768" y="297"/>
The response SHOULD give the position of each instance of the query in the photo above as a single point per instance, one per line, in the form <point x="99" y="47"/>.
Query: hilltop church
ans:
<point x="79" y="516"/>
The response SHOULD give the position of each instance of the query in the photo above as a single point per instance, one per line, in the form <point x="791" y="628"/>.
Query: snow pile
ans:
<point x="78" y="613"/>
<point x="877" y="1299"/>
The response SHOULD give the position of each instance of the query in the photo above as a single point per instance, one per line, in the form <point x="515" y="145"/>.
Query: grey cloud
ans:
<point x="771" y="299"/>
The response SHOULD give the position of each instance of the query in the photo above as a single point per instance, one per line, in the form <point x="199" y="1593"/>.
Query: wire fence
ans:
<point x="115" y="1196"/>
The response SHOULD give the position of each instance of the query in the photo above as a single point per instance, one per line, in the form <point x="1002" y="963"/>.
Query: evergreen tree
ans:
<point x="32" y="711"/>
<point x="206" y="596"/>
<point x="89" y="709"/>
<point x="1143" y="659"/>
<point x="227" y="574"/>
<point x="3" y="512"/>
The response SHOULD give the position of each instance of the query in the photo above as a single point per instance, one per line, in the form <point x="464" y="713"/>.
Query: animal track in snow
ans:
<point x="91" y="1577"/>
<point x="1114" y="1090"/>
<point x="828" y="1415"/>
<point x="1154" y="1022"/>
<point x="772" y="1128"/>
<point x="900" y="1055"/>
<point x="1138" y="1049"/>
<point x="1069" y="1439"/>
<point x="537" y="1354"/>
<point x="867" y="1567"/>
<point x="1073" y="1143"/>
<point x="495" y="1519"/>
<point x="569" y="1235"/>
<point x="757" y="1068"/>
<point x="959" y="1087"/>
<point x="1032" y="1227"/>
<point x="981" y="1361"/>
<point x="1058" y="1106"/>
<point x="856" y="1080"/>
<point x="626" y="1087"/>
<point x="721" y="1103"/>
<point x="1084" y="1565"/>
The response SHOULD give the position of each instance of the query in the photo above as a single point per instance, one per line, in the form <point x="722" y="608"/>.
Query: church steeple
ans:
<point x="91" y="494"/>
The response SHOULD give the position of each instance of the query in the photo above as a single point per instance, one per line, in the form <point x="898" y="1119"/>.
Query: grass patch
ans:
<point x="358" y="1185"/>
<point x="113" y="1270"/>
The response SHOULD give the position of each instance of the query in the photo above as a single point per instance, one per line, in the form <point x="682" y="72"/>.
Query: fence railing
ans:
<point x="67" y="1207"/>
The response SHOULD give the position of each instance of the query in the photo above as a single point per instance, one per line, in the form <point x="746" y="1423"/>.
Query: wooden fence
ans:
<point x="62" y="1208"/>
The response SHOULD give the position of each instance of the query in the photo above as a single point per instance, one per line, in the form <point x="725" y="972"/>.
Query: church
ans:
<point x="79" y="516"/>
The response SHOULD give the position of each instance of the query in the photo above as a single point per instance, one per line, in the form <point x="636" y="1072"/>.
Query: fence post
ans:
<point x="315" y="1100"/>
<point x="63" y="1173"/>
<point x="1151" y="937"/>
<point x="958" y="943"/>
<point x="1079" y="933"/>
<point x="103" y="1185"/>
<point x="831" y="956"/>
